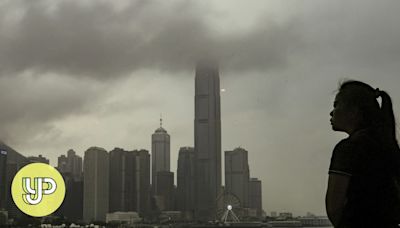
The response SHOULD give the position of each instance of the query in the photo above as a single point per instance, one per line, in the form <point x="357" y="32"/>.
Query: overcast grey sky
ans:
<point x="75" y="74"/>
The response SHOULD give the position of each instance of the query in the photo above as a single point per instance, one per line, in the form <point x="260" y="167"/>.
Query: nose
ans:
<point x="331" y="113"/>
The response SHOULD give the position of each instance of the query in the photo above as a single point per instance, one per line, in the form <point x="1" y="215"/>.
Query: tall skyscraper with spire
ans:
<point x="207" y="140"/>
<point x="160" y="153"/>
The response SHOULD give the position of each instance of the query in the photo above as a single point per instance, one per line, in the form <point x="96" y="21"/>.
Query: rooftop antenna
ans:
<point x="161" y="120"/>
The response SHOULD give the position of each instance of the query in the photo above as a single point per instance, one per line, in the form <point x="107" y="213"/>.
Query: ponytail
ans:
<point x="388" y="131"/>
<point x="387" y="115"/>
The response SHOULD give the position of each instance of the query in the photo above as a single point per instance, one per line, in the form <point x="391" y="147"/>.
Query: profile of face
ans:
<point x="343" y="117"/>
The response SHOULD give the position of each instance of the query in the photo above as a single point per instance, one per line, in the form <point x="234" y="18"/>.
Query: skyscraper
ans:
<point x="96" y="181"/>
<point x="3" y="179"/>
<point x="62" y="164"/>
<point x="237" y="175"/>
<point x="71" y="163"/>
<point x="15" y="161"/>
<point x="207" y="141"/>
<point x="74" y="164"/>
<point x="160" y="153"/>
<point x="185" y="181"/>
<point x="142" y="176"/>
<point x="123" y="182"/>
<point x="255" y="198"/>
<point x="165" y="190"/>
<point x="72" y="207"/>
<point x="70" y="167"/>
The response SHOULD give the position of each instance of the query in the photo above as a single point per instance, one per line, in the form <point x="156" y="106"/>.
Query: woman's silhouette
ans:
<point x="364" y="174"/>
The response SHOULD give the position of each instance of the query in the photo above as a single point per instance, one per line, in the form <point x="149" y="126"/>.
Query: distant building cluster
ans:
<point x="129" y="185"/>
<point x="286" y="219"/>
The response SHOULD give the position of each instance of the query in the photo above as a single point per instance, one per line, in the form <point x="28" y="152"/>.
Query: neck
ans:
<point x="355" y="130"/>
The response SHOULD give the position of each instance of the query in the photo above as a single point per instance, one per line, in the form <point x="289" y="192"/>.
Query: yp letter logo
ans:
<point x="34" y="196"/>
<point x="38" y="189"/>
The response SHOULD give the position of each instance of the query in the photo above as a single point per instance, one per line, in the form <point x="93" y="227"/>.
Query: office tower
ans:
<point x="3" y="179"/>
<point x="237" y="175"/>
<point x="185" y="181"/>
<point x="255" y="195"/>
<point x="39" y="159"/>
<point x="74" y="164"/>
<point x="165" y="190"/>
<point x="70" y="167"/>
<point x="142" y="177"/>
<point x="15" y="161"/>
<point x="95" y="184"/>
<point x="123" y="181"/>
<point x="62" y="164"/>
<point x="207" y="141"/>
<point x="72" y="207"/>
<point x="71" y="163"/>
<point x="160" y="153"/>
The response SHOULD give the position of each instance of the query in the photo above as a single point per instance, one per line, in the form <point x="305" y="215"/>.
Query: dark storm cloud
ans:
<point x="98" y="39"/>
<point x="30" y="103"/>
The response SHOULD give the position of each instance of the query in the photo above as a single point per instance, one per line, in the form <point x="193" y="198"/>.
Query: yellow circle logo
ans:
<point x="38" y="189"/>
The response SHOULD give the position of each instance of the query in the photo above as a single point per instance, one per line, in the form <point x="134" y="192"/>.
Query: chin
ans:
<point x="335" y="128"/>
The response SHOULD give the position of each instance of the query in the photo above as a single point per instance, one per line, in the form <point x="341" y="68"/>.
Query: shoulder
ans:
<point x="347" y="148"/>
<point x="360" y="144"/>
<point x="344" y="145"/>
<point x="355" y="155"/>
<point x="348" y="156"/>
<point x="341" y="160"/>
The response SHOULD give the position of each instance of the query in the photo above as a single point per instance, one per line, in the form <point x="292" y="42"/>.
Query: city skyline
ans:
<point x="95" y="73"/>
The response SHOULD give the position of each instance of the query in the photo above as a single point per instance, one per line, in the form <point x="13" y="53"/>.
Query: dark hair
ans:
<point x="363" y="97"/>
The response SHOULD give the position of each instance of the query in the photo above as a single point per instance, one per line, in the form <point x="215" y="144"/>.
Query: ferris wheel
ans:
<point x="227" y="204"/>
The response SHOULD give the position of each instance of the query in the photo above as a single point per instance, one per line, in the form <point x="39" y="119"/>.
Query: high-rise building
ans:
<point x="62" y="164"/>
<point x="72" y="207"/>
<point x="165" y="190"/>
<point x="71" y="163"/>
<point x="74" y="164"/>
<point x="237" y="175"/>
<point x="123" y="181"/>
<point x="160" y="153"/>
<point x="3" y="179"/>
<point x="142" y="177"/>
<point x="15" y="161"/>
<point x="207" y="141"/>
<point x="96" y="181"/>
<point x="185" y="181"/>
<point x="255" y="196"/>
<point x="70" y="167"/>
